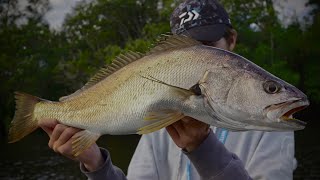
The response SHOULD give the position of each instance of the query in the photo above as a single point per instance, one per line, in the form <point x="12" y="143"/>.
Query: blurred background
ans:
<point x="50" y="48"/>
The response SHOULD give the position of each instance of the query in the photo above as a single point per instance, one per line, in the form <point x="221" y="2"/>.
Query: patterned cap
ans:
<point x="204" y="20"/>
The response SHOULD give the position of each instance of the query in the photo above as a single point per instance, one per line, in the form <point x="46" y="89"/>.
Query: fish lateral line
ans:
<point x="194" y="90"/>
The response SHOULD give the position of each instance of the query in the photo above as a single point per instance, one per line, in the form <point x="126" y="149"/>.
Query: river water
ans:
<point x="31" y="158"/>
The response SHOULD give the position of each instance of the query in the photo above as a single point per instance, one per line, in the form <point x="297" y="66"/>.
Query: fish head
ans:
<point x="250" y="98"/>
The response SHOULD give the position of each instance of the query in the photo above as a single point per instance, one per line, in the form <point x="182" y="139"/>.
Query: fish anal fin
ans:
<point x="163" y="119"/>
<point x="83" y="140"/>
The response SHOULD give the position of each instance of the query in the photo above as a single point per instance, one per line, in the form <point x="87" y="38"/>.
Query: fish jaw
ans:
<point x="275" y="117"/>
<point x="282" y="112"/>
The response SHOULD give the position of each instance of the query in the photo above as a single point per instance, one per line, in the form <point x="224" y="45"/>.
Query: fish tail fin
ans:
<point x="23" y="122"/>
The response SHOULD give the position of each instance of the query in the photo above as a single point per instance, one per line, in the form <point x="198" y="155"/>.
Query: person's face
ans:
<point x="223" y="43"/>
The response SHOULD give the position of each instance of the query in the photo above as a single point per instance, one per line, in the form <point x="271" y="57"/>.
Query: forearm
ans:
<point x="106" y="171"/>
<point x="213" y="161"/>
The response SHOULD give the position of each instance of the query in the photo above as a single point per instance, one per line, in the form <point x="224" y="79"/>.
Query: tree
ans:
<point x="287" y="52"/>
<point x="97" y="31"/>
<point x="29" y="54"/>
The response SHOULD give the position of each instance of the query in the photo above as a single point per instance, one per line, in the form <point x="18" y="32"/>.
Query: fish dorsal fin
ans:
<point x="169" y="42"/>
<point x="119" y="62"/>
<point x="164" y="43"/>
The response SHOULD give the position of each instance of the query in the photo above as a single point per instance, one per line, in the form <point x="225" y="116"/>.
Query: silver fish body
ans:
<point x="180" y="77"/>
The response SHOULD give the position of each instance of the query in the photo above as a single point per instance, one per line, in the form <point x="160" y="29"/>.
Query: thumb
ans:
<point x="48" y="125"/>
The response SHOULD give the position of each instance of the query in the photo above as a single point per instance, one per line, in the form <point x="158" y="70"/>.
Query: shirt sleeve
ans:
<point x="273" y="157"/>
<point x="223" y="164"/>
<point x="106" y="171"/>
<point x="143" y="165"/>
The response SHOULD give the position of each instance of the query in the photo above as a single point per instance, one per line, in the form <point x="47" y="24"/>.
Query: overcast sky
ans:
<point x="291" y="8"/>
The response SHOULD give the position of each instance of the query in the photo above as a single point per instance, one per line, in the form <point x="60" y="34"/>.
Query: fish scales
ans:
<point x="121" y="91"/>
<point x="154" y="91"/>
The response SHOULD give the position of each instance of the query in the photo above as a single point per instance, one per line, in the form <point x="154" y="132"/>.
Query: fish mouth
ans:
<point x="276" y="117"/>
<point x="284" y="111"/>
<point x="288" y="116"/>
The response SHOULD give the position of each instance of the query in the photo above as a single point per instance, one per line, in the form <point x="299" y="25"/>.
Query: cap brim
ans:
<point x="207" y="33"/>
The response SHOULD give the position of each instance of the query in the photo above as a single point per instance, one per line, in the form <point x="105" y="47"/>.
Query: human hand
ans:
<point x="188" y="133"/>
<point x="61" y="142"/>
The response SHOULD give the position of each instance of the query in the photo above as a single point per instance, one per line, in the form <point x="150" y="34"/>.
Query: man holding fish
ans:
<point x="187" y="148"/>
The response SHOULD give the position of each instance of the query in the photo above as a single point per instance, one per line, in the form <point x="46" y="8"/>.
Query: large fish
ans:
<point x="177" y="78"/>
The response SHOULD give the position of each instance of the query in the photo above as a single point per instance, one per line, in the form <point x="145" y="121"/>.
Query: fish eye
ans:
<point x="271" y="87"/>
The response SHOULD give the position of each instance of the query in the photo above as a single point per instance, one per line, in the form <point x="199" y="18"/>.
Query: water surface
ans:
<point x="31" y="158"/>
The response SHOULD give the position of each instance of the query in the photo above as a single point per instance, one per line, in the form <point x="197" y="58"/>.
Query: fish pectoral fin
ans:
<point x="82" y="140"/>
<point x="163" y="118"/>
<point x="180" y="90"/>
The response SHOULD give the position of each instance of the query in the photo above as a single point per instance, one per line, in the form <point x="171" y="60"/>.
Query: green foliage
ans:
<point x="288" y="52"/>
<point x="50" y="64"/>
<point x="97" y="31"/>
